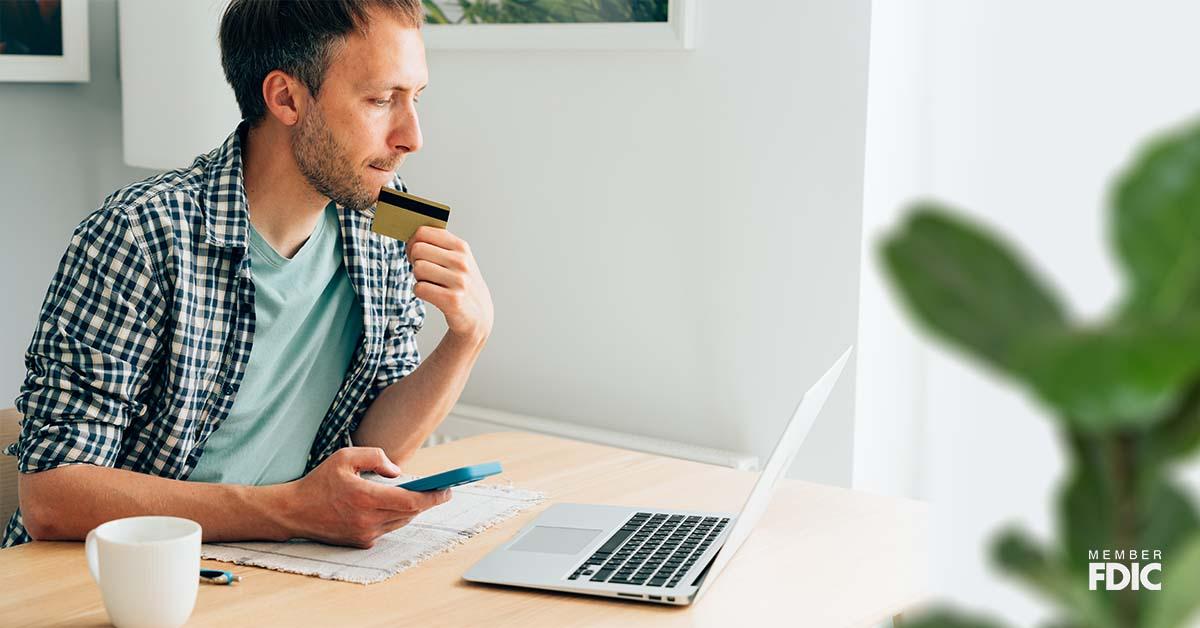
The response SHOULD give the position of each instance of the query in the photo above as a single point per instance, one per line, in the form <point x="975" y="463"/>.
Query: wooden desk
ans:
<point x="821" y="556"/>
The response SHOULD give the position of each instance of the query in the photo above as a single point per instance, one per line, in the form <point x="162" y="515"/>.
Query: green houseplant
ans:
<point x="543" y="11"/>
<point x="1125" y="390"/>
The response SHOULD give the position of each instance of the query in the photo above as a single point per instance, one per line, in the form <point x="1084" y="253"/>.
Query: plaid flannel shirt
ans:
<point x="146" y="329"/>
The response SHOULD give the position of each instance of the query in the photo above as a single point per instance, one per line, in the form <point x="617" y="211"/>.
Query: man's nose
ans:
<point x="406" y="137"/>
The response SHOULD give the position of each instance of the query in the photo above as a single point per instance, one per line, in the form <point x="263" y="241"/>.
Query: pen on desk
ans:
<point x="216" y="576"/>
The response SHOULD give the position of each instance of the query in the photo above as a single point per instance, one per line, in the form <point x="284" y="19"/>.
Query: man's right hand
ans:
<point x="332" y="504"/>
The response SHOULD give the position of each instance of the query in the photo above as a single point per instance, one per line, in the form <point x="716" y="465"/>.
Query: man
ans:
<point x="230" y="342"/>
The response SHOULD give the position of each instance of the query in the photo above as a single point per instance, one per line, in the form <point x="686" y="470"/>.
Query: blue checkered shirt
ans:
<point x="146" y="329"/>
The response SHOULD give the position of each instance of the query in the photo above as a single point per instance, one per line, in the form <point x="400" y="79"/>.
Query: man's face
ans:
<point x="349" y="142"/>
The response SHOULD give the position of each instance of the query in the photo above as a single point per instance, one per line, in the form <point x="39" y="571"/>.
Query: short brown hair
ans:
<point x="296" y="36"/>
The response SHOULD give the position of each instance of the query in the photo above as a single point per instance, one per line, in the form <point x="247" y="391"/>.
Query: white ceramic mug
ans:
<point x="148" y="569"/>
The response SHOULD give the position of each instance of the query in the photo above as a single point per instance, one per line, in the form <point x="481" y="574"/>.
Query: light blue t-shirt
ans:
<point x="308" y="321"/>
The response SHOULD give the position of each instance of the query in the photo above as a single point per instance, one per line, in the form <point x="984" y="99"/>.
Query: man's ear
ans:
<point x="284" y="96"/>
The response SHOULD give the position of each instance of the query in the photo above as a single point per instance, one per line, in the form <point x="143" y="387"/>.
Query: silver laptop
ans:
<point x="647" y="554"/>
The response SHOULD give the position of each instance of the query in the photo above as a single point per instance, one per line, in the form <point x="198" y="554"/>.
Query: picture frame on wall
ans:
<point x="559" y="24"/>
<point x="44" y="41"/>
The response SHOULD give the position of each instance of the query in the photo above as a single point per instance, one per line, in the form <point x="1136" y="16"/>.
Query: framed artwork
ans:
<point x="44" y="40"/>
<point x="559" y="24"/>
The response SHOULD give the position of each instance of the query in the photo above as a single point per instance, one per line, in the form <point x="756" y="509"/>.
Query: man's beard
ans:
<point x="326" y="165"/>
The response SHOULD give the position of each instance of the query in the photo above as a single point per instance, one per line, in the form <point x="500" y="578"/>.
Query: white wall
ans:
<point x="1030" y="108"/>
<point x="897" y="166"/>
<point x="60" y="155"/>
<point x="671" y="238"/>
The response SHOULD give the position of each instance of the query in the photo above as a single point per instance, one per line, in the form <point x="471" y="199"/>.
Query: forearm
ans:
<point x="408" y="411"/>
<point x="65" y="503"/>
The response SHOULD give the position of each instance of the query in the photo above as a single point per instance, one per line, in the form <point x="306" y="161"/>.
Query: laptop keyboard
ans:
<point x="651" y="549"/>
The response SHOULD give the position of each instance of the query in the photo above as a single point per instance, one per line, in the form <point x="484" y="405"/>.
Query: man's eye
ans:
<point x="382" y="102"/>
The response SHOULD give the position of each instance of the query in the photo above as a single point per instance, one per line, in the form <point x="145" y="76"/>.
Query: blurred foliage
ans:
<point x="1125" y="389"/>
<point x="545" y="11"/>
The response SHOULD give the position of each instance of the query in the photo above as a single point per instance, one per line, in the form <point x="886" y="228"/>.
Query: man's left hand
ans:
<point x="448" y="277"/>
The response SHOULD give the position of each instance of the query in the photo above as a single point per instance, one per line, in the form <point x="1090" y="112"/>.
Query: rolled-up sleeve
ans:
<point x="92" y="351"/>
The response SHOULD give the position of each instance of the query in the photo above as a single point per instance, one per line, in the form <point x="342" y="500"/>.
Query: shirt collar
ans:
<point x="226" y="220"/>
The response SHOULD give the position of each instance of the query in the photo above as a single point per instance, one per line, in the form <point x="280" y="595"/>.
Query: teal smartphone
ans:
<point x="454" y="477"/>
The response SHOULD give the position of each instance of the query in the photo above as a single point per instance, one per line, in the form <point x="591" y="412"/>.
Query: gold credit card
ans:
<point x="398" y="214"/>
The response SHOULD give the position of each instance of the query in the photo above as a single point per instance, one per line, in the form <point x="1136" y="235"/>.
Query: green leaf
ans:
<point x="966" y="287"/>
<point x="434" y="13"/>
<point x="1022" y="558"/>
<point x="1178" y="435"/>
<point x="1156" y="226"/>
<point x="1177" y="600"/>
<point x="973" y="292"/>
<point x="1087" y="503"/>
<point x="1113" y="501"/>
<point x="1109" y="503"/>
<point x="949" y="618"/>
<point x="1168" y="517"/>
<point x="1126" y="375"/>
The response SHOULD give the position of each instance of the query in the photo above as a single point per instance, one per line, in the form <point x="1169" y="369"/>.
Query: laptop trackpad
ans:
<point x="555" y="540"/>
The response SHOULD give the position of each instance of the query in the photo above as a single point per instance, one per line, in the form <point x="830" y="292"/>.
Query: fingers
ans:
<point x="422" y="501"/>
<point x="444" y="298"/>
<point x="440" y="247"/>
<point x="361" y="459"/>
<point x="442" y="238"/>
<point x="427" y="271"/>
<point x="435" y="498"/>
<point x="428" y="500"/>
<point x="395" y="524"/>
<point x="404" y="502"/>
<point x="446" y="258"/>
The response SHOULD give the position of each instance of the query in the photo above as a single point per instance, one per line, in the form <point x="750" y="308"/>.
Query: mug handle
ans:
<point x="93" y="558"/>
